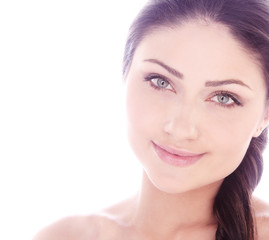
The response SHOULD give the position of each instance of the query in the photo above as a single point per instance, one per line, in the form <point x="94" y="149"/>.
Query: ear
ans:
<point x="264" y="123"/>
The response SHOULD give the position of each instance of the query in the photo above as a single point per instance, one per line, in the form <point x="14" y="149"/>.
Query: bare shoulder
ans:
<point x="106" y="224"/>
<point x="71" y="228"/>
<point x="262" y="218"/>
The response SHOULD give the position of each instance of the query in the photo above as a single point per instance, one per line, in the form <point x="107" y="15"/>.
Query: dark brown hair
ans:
<point x="248" y="21"/>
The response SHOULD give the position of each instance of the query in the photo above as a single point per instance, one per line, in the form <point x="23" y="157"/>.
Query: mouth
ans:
<point x="180" y="158"/>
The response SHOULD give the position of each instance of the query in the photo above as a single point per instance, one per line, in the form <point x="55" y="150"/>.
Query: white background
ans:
<point x="63" y="147"/>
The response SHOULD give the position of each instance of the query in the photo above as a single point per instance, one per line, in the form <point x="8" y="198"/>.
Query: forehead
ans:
<point x="203" y="38"/>
<point x="207" y="48"/>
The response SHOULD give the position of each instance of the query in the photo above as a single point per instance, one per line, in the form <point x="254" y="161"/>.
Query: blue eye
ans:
<point x="225" y="99"/>
<point x="159" y="82"/>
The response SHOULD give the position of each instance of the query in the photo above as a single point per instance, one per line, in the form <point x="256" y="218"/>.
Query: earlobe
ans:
<point x="258" y="132"/>
<point x="264" y="123"/>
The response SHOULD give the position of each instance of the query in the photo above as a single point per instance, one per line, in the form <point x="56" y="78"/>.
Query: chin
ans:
<point x="170" y="186"/>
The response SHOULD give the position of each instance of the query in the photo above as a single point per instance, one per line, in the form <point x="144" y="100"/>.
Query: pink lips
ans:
<point x="176" y="157"/>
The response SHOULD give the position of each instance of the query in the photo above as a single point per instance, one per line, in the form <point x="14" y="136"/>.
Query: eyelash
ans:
<point x="151" y="77"/>
<point x="230" y="95"/>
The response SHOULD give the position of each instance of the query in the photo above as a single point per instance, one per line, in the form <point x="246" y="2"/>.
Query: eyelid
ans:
<point x="236" y="99"/>
<point x="152" y="76"/>
<point x="156" y="75"/>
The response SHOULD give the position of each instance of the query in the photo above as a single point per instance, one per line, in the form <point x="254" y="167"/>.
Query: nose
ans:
<point x="182" y="122"/>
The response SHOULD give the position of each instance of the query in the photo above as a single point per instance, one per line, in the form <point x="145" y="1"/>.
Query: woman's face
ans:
<point x="195" y="98"/>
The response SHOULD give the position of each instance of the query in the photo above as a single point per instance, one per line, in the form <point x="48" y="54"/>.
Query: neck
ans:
<point x="157" y="210"/>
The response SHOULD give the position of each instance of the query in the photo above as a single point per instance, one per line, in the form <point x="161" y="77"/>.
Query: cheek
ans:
<point x="229" y="141"/>
<point x="144" y="113"/>
<point x="144" y="117"/>
<point x="232" y="128"/>
<point x="233" y="146"/>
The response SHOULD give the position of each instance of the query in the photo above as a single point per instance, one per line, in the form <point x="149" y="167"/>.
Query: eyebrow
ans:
<point x="166" y="67"/>
<point x="180" y="75"/>
<point x="225" y="82"/>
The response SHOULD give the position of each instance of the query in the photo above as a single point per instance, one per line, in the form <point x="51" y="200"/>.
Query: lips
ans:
<point x="175" y="157"/>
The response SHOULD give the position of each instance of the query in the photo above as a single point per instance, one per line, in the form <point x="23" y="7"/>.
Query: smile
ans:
<point x="176" y="157"/>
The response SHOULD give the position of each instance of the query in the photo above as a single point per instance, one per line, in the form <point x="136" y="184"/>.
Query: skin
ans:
<point x="190" y="113"/>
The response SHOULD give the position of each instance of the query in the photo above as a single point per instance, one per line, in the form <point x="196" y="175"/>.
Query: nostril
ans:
<point x="181" y="129"/>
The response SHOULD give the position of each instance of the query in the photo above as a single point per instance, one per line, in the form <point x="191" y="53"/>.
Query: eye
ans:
<point x="159" y="82"/>
<point x="225" y="99"/>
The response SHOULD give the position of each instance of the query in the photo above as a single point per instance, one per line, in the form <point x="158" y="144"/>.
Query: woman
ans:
<point x="197" y="81"/>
